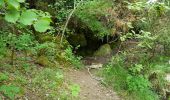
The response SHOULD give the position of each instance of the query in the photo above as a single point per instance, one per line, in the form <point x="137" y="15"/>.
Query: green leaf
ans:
<point x="14" y="3"/>
<point x="27" y="17"/>
<point x="12" y="15"/>
<point x="21" y="1"/>
<point x="1" y="3"/>
<point x="75" y="89"/>
<point x="42" y="24"/>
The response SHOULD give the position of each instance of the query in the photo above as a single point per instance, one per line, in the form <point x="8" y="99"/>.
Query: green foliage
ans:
<point x="48" y="79"/>
<point x="131" y="84"/>
<point x="69" y="56"/>
<point x="10" y="91"/>
<point x="28" y="17"/>
<point x="62" y="8"/>
<point x="126" y="36"/>
<point x="159" y="7"/>
<point x="142" y="24"/>
<point x="147" y="40"/>
<point x="51" y="83"/>
<point x="40" y="20"/>
<point x="90" y="12"/>
<point x="42" y="24"/>
<point x="12" y="15"/>
<point x="163" y="33"/>
<point x="11" y="43"/>
<point x="3" y="77"/>
<point x="113" y="71"/>
<point x="45" y="83"/>
<point x="13" y="3"/>
<point x="48" y="49"/>
<point x="11" y="39"/>
<point x="75" y="89"/>
<point x="137" y="69"/>
<point x="137" y="83"/>
<point x="146" y="74"/>
<point x="24" y="42"/>
<point x="140" y="76"/>
<point x="1" y="3"/>
<point x="137" y="6"/>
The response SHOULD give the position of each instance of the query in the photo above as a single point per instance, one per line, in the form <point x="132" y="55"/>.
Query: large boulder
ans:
<point x="43" y="61"/>
<point x="103" y="50"/>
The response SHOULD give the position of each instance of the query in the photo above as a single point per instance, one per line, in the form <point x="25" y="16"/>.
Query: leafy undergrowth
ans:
<point x="137" y="83"/>
<point x="30" y="81"/>
<point x="30" y="69"/>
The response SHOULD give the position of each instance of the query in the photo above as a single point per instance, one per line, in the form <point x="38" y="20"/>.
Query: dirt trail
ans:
<point x="91" y="89"/>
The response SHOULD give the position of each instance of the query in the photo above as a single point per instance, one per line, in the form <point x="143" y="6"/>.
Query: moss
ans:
<point x="61" y="59"/>
<point x="103" y="50"/>
<point x="92" y="14"/>
<point x="43" y="61"/>
<point x="45" y="38"/>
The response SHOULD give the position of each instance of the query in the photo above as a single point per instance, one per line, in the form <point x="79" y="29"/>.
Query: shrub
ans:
<point x="137" y="83"/>
<point x="91" y="13"/>
<point x="10" y="91"/>
<point x="69" y="56"/>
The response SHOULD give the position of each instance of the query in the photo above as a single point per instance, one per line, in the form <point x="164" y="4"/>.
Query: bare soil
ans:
<point x="91" y="89"/>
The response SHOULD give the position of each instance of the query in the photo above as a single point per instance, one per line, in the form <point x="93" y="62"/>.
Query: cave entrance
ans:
<point x="85" y="38"/>
<point x="84" y="43"/>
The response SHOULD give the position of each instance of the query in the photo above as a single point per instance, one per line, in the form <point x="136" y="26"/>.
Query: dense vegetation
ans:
<point x="40" y="39"/>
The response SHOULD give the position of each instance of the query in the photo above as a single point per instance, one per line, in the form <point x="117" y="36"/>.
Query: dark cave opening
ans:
<point x="88" y="43"/>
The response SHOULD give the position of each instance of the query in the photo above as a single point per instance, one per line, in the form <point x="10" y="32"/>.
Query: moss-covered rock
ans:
<point x="103" y="50"/>
<point x="43" y="61"/>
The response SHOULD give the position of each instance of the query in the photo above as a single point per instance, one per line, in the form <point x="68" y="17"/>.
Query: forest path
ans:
<point x="91" y="89"/>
